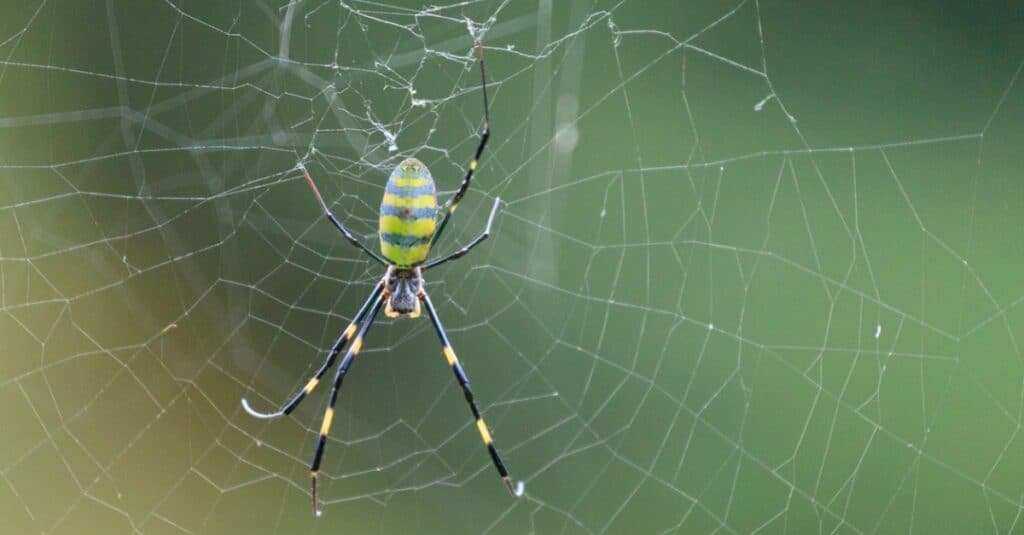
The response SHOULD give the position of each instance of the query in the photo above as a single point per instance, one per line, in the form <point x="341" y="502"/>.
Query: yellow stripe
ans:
<point x="328" y="416"/>
<point x="484" y="432"/>
<point x="357" y="345"/>
<point x="408" y="182"/>
<point x="312" y="384"/>
<point x="450" y="355"/>
<point x="472" y="165"/>
<point x="350" y="331"/>
<point x="419" y="228"/>
<point x="423" y="201"/>
<point x="405" y="256"/>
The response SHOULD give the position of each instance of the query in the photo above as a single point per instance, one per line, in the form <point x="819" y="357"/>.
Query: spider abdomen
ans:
<point x="408" y="214"/>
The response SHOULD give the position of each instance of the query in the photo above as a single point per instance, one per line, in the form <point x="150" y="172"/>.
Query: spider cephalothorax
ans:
<point x="410" y="223"/>
<point x="401" y="290"/>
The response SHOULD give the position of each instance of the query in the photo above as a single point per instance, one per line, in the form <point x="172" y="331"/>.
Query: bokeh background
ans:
<point x="756" y="266"/>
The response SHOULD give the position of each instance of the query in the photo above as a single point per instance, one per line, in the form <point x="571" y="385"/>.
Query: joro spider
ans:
<point x="408" y="229"/>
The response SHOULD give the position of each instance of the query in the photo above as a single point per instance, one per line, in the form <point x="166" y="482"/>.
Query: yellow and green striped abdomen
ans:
<point x="408" y="214"/>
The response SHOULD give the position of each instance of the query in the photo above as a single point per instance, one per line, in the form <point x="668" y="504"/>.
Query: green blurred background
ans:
<point x="757" y="266"/>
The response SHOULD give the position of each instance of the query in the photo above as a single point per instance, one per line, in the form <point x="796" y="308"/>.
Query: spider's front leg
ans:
<point x="460" y="376"/>
<point x="328" y="362"/>
<point x="325" y="427"/>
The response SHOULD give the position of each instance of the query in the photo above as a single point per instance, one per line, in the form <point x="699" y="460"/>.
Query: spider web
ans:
<point x="756" y="266"/>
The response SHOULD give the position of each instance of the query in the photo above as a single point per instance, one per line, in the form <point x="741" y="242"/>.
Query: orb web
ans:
<point x="753" y="269"/>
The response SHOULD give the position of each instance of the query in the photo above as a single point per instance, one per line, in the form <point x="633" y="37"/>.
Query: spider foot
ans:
<point x="260" y="415"/>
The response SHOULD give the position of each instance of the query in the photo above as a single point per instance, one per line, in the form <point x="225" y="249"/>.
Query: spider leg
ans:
<point x="460" y="376"/>
<point x="337" y="224"/>
<point x="484" y="136"/>
<point x="325" y="427"/>
<point x="476" y="241"/>
<point x="345" y="337"/>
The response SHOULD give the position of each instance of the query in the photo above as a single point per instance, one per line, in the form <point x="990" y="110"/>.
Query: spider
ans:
<point x="408" y="229"/>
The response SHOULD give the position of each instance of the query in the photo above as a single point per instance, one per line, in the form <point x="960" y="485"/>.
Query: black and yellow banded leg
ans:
<point x="460" y="376"/>
<point x="484" y="136"/>
<point x="325" y="427"/>
<point x="328" y="362"/>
